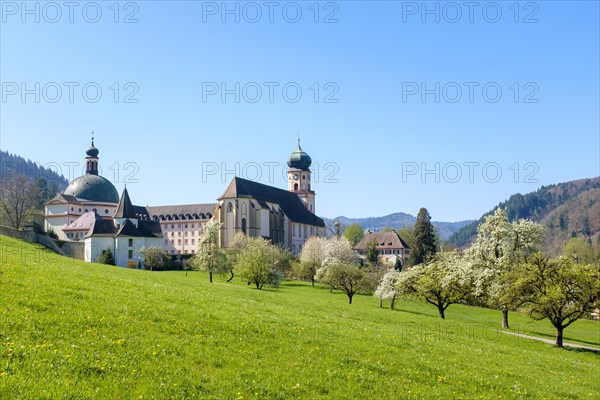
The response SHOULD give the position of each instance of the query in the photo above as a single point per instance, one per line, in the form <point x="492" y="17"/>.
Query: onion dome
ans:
<point x="299" y="159"/>
<point x="92" y="151"/>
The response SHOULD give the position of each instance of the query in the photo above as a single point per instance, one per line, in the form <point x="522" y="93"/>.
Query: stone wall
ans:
<point x="69" y="249"/>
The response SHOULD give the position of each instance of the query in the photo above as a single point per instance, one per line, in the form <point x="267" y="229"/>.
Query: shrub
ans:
<point x="106" y="257"/>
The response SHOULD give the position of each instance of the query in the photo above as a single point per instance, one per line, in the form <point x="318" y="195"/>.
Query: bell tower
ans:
<point x="91" y="159"/>
<point x="299" y="177"/>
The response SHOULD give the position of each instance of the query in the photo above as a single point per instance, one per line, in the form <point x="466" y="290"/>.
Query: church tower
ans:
<point x="299" y="176"/>
<point x="91" y="159"/>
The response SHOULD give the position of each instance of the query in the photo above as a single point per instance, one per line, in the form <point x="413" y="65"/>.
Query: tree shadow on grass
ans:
<point x="567" y="339"/>
<point x="416" y="313"/>
<point x="581" y="350"/>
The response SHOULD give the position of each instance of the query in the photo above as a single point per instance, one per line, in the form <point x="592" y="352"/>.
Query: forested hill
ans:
<point x="11" y="163"/>
<point x="566" y="210"/>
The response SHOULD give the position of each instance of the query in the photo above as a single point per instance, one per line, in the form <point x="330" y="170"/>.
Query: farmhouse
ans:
<point x="389" y="245"/>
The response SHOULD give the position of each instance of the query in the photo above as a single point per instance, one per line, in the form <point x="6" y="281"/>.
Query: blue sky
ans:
<point x="407" y="112"/>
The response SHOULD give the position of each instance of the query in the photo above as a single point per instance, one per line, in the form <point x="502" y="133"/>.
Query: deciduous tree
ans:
<point x="155" y="258"/>
<point x="340" y="250"/>
<point x="311" y="257"/>
<point x="578" y="250"/>
<point x="499" y="248"/>
<point x="388" y="288"/>
<point x="446" y="279"/>
<point x="19" y="196"/>
<point x="210" y="257"/>
<point x="256" y="263"/>
<point x="560" y="290"/>
<point x="346" y="277"/>
<point x="354" y="233"/>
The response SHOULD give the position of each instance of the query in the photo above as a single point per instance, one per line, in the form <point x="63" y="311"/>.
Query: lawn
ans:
<point x="74" y="330"/>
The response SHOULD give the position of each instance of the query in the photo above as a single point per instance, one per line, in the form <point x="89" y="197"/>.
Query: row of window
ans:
<point x="93" y="209"/>
<point x="186" y="252"/>
<point x="392" y="251"/>
<point x="300" y="230"/>
<point x="167" y="241"/>
<point x="192" y="233"/>
<point x="185" y="226"/>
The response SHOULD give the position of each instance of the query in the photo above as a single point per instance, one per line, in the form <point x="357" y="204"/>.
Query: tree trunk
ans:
<point x="350" y="298"/>
<point x="210" y="276"/>
<point x="231" y="277"/>
<point x="186" y="271"/>
<point x="380" y="302"/>
<point x="392" y="305"/>
<point x="505" y="317"/>
<point x="312" y="280"/>
<point x="441" y="310"/>
<point x="559" y="335"/>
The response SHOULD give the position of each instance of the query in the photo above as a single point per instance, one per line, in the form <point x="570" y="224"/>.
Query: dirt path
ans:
<point x="570" y="345"/>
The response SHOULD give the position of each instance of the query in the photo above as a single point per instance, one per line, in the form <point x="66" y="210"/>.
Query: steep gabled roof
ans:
<point x="144" y="229"/>
<point x="141" y="212"/>
<point x="150" y="229"/>
<point x="83" y="223"/>
<point x="289" y="202"/>
<point x="385" y="240"/>
<point x="128" y="229"/>
<point x="102" y="227"/>
<point x="125" y="208"/>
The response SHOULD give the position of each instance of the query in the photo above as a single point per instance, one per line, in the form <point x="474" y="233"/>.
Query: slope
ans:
<point x="74" y="330"/>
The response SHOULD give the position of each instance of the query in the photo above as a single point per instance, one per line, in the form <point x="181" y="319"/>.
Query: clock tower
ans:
<point x="299" y="177"/>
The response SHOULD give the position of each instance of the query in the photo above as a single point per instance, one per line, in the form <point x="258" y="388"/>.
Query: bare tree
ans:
<point x="19" y="196"/>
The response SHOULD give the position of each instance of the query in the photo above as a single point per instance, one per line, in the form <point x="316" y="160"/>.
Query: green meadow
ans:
<point x="73" y="330"/>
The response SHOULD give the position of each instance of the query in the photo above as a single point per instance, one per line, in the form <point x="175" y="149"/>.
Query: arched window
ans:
<point x="229" y="207"/>
<point x="295" y="186"/>
<point x="244" y="225"/>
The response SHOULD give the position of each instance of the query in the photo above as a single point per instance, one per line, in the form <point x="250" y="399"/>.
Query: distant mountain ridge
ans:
<point x="566" y="210"/>
<point x="396" y="221"/>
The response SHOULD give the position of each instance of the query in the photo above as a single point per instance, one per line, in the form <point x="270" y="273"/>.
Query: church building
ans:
<point x="125" y="235"/>
<point x="89" y="210"/>
<point x="88" y="193"/>
<point x="285" y="217"/>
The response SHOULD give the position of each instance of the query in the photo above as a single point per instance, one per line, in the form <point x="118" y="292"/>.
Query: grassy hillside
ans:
<point x="566" y="209"/>
<point x="75" y="330"/>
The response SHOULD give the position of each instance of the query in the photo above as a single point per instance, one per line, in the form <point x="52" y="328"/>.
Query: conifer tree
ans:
<point x="424" y="239"/>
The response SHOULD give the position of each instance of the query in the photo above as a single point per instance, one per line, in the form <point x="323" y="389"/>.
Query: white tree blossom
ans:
<point x="447" y="279"/>
<point x="500" y="246"/>
<point x="388" y="287"/>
